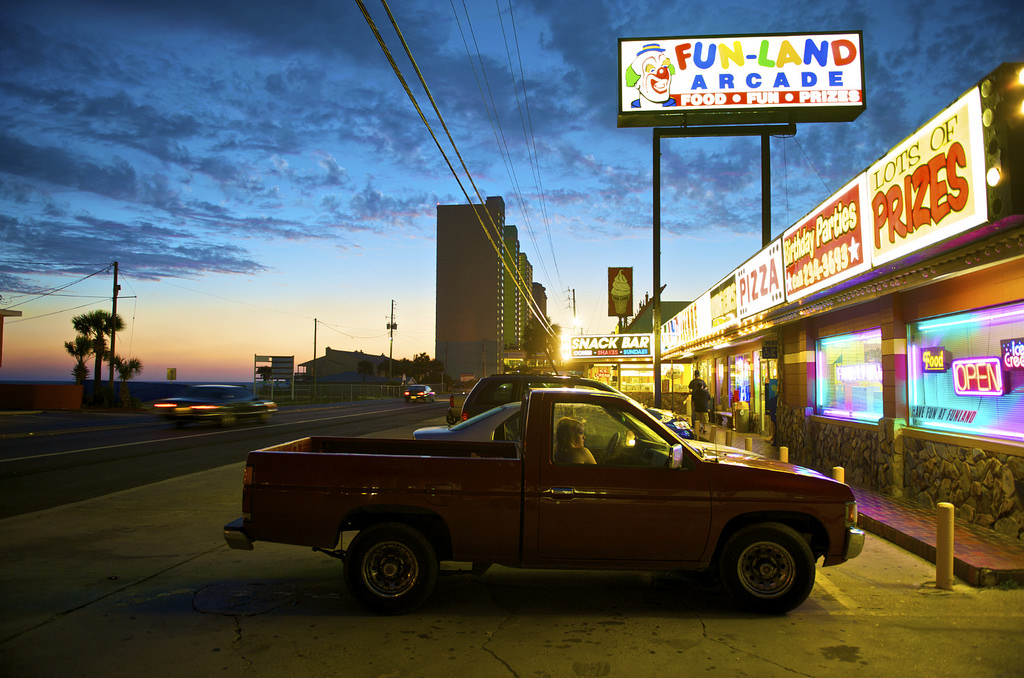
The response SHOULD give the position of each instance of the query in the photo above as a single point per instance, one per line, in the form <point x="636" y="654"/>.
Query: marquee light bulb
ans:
<point x="993" y="176"/>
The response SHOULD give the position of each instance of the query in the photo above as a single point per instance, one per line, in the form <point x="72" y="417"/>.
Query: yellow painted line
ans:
<point x="834" y="591"/>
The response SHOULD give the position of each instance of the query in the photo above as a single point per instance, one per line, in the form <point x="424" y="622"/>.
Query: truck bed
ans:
<point x="307" y="491"/>
<point x="397" y="447"/>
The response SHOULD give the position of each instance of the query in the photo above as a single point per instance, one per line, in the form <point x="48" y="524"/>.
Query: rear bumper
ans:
<point x="235" y="536"/>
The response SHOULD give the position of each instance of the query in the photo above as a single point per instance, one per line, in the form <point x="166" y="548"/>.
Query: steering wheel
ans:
<point x="609" y="452"/>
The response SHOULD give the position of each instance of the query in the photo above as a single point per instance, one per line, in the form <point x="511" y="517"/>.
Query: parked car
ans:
<point x="502" y="423"/>
<point x="499" y="389"/>
<point x="677" y="424"/>
<point x="222" y="404"/>
<point x="499" y="423"/>
<point x="419" y="392"/>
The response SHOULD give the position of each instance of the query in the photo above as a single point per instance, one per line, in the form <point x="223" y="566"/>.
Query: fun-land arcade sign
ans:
<point x="608" y="346"/>
<point x="740" y="79"/>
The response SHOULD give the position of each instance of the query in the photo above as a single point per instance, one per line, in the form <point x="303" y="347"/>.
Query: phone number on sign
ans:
<point x="832" y="262"/>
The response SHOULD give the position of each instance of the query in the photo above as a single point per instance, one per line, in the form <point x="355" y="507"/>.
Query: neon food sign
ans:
<point x="935" y="359"/>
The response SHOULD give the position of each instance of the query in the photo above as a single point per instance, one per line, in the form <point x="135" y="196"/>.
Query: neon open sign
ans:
<point x="978" y="377"/>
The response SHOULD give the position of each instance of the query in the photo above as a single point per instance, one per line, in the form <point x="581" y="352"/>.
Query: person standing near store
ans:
<point x="700" y="400"/>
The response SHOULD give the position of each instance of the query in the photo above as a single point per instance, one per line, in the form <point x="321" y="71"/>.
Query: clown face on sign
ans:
<point x="650" y="73"/>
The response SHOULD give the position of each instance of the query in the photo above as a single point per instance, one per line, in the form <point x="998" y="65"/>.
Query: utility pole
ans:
<point x="314" y="360"/>
<point x="113" y="333"/>
<point x="392" y="326"/>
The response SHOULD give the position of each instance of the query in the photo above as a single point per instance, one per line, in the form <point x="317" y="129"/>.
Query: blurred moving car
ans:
<point x="219" y="403"/>
<point x="499" y="423"/>
<point x="419" y="392"/>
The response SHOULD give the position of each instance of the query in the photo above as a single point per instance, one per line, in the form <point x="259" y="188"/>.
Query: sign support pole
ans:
<point x="763" y="131"/>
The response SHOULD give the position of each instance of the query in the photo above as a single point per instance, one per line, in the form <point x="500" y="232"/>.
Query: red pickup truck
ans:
<point x="652" y="501"/>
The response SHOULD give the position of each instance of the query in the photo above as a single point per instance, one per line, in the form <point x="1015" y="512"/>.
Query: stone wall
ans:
<point x="986" y="487"/>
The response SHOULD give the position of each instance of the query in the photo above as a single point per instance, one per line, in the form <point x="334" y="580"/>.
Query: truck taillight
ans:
<point x="247" y="476"/>
<point x="851" y="513"/>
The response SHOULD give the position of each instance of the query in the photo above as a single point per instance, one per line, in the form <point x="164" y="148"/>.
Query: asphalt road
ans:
<point x="139" y="582"/>
<point x="53" y="458"/>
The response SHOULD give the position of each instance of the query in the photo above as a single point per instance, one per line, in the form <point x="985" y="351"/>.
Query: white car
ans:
<point x="500" y="423"/>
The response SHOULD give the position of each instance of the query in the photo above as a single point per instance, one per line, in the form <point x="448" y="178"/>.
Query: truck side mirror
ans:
<point x="677" y="456"/>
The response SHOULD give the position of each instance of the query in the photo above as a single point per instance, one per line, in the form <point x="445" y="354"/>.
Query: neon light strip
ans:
<point x="973" y="430"/>
<point x="859" y="336"/>
<point x="977" y="317"/>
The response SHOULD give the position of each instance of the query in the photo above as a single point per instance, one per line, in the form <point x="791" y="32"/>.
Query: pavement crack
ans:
<point x="109" y="594"/>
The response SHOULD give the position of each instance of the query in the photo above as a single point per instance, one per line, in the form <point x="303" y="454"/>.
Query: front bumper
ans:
<point x="235" y="536"/>
<point x="854" y="543"/>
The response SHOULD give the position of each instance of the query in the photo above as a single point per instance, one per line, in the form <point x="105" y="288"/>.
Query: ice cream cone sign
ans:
<point x="620" y="292"/>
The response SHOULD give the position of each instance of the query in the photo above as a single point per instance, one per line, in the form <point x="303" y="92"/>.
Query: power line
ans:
<point x="515" y="275"/>
<point x="47" y="293"/>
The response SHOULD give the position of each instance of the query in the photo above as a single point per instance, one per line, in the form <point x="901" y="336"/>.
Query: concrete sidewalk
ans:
<point x="981" y="557"/>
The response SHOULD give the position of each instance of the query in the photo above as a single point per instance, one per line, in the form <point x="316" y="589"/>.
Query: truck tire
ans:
<point x="767" y="568"/>
<point x="390" y="568"/>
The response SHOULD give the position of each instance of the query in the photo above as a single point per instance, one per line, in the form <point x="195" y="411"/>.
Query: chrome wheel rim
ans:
<point x="766" y="570"/>
<point x="390" y="569"/>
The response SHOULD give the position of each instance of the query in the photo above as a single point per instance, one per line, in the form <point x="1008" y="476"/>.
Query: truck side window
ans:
<point x="613" y="437"/>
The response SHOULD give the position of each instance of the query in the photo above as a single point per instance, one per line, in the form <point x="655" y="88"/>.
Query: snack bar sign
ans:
<point x="812" y="77"/>
<point x="600" y="347"/>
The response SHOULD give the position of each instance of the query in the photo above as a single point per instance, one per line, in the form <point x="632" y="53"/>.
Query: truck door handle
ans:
<point x="562" y="491"/>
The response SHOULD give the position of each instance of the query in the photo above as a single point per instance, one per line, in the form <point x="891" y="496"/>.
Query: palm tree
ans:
<point x="79" y="349"/>
<point x="365" y="368"/>
<point x="96" y="325"/>
<point x="126" y="370"/>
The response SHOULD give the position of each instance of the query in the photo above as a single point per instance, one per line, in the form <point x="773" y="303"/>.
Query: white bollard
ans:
<point x="784" y="454"/>
<point x="728" y="437"/>
<point x="839" y="473"/>
<point x="712" y="432"/>
<point x="944" y="547"/>
<point x="749" y="444"/>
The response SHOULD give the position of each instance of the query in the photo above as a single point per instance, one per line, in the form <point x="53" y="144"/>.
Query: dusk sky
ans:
<point x="255" y="165"/>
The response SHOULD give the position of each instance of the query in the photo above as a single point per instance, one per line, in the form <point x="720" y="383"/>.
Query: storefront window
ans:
<point x="966" y="372"/>
<point x="849" y="375"/>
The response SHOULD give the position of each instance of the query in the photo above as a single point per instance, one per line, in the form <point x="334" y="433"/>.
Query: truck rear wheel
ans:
<point x="767" y="568"/>
<point x="390" y="568"/>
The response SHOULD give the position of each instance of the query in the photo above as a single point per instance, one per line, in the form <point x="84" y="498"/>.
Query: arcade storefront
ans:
<point x="898" y="309"/>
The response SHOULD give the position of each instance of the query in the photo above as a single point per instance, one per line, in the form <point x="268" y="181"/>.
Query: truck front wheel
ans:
<point x="390" y="568"/>
<point x="767" y="568"/>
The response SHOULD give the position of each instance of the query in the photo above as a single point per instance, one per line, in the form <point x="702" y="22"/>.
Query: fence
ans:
<point x="328" y="393"/>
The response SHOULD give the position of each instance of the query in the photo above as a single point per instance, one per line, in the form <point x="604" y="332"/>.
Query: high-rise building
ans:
<point x="524" y="296"/>
<point x="540" y="297"/>
<point x="470" y="304"/>
<point x="513" y="330"/>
